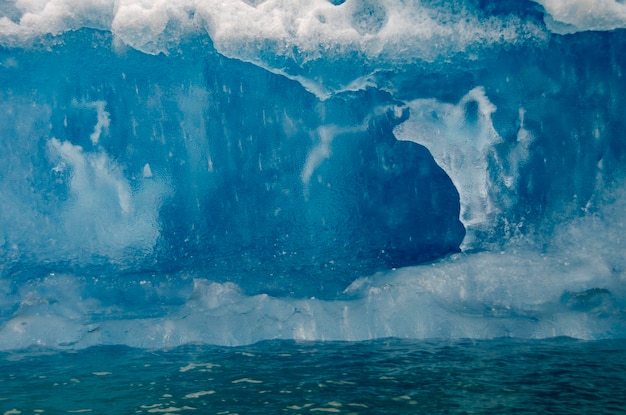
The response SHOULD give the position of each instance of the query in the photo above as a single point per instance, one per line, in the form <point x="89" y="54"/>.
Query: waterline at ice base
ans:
<point x="229" y="171"/>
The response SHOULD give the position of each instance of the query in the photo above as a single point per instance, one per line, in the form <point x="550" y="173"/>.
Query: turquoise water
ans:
<point x="383" y="377"/>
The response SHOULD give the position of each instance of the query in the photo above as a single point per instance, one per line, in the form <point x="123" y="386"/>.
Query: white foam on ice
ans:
<point x="284" y="36"/>
<point x="571" y="16"/>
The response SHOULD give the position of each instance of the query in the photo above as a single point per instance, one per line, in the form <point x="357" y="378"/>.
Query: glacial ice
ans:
<point x="462" y="149"/>
<point x="228" y="171"/>
<point x="565" y="17"/>
<point x="303" y="40"/>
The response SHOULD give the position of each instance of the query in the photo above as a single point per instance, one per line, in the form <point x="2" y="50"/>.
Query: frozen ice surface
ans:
<point x="300" y="39"/>
<point x="517" y="293"/>
<point x="566" y="17"/>
<point x="227" y="171"/>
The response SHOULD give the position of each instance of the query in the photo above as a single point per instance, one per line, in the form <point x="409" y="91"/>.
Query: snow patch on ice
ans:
<point x="571" y="16"/>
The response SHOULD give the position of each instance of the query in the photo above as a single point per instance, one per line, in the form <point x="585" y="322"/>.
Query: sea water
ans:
<point x="229" y="206"/>
<point x="388" y="376"/>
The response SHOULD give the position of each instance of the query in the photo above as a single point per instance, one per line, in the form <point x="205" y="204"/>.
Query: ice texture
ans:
<point x="461" y="144"/>
<point x="228" y="171"/>
<point x="236" y="171"/>
<point x="300" y="39"/>
<point x="566" y="17"/>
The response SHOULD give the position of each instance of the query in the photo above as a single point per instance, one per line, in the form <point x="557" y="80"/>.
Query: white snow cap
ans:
<point x="396" y="27"/>
<point x="571" y="16"/>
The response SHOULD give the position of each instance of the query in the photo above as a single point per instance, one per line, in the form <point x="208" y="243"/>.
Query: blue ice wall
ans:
<point x="210" y="158"/>
<point x="194" y="161"/>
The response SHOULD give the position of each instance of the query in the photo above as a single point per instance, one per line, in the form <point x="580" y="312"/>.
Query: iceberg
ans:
<point x="230" y="171"/>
